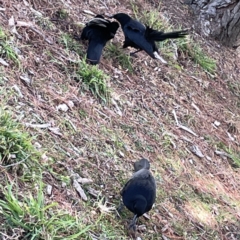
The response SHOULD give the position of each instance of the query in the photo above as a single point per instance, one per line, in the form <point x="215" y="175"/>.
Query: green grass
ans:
<point x="116" y="53"/>
<point x="6" y="49"/>
<point x="44" y="22"/>
<point x="196" y="53"/>
<point x="36" y="220"/>
<point x="233" y="156"/>
<point x="94" y="79"/>
<point x="147" y="17"/>
<point x="234" y="87"/>
<point x="15" y="143"/>
<point x="62" y="14"/>
<point x="71" y="44"/>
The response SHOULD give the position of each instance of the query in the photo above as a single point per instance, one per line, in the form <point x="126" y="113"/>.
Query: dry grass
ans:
<point x="198" y="198"/>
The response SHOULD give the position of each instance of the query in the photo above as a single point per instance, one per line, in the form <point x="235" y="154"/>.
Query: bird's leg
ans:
<point x="133" y="53"/>
<point x="119" y="209"/>
<point x="132" y="225"/>
<point x="157" y="56"/>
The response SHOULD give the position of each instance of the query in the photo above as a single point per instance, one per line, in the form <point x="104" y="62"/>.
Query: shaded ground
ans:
<point x="198" y="198"/>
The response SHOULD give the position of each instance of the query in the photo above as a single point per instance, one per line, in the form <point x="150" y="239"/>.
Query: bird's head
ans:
<point x="141" y="164"/>
<point x="114" y="27"/>
<point x="123" y="18"/>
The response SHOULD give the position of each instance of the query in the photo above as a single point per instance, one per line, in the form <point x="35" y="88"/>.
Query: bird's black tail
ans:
<point x="155" y="35"/>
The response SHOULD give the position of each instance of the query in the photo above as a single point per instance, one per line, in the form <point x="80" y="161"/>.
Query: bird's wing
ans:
<point x="136" y="35"/>
<point x="85" y="33"/>
<point x="99" y="22"/>
<point x="142" y="174"/>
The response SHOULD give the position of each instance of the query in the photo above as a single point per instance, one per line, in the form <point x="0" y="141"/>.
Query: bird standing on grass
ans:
<point x="98" y="31"/>
<point x="143" y="37"/>
<point x="139" y="193"/>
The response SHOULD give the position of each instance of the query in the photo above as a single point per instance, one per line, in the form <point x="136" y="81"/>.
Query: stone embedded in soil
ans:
<point x="93" y="192"/>
<point x="49" y="190"/>
<point x="84" y="180"/>
<point x="195" y="150"/>
<point x="216" y="123"/>
<point x="79" y="190"/>
<point x="62" y="107"/>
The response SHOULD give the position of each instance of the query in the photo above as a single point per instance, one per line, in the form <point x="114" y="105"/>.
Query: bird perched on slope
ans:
<point x="143" y="37"/>
<point x="98" y="31"/>
<point x="139" y="193"/>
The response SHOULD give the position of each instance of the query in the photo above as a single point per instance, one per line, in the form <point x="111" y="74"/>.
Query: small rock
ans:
<point x="11" y="21"/>
<point x="222" y="154"/>
<point x="55" y="130"/>
<point x="195" y="150"/>
<point x="208" y="158"/>
<point x="37" y="60"/>
<point x="230" y="137"/>
<point x="49" y="190"/>
<point x="70" y="104"/>
<point x="93" y="192"/>
<point x="62" y="107"/>
<point x="216" y="123"/>
<point x="64" y="184"/>
<point x="121" y="154"/>
<point x="191" y="161"/>
<point x="44" y="157"/>
<point x="13" y="156"/>
<point x="84" y="180"/>
<point x="3" y="62"/>
<point x="145" y="215"/>
<point x="142" y="228"/>
<point x="127" y="148"/>
<point x="69" y="193"/>
<point x="79" y="190"/>
<point x="30" y="71"/>
<point x="16" y="88"/>
<point x="26" y="79"/>
<point x="93" y="212"/>
<point x="37" y="145"/>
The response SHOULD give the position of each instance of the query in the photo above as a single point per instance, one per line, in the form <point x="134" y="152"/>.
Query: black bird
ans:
<point x="139" y="193"/>
<point x="143" y="37"/>
<point x="98" y="31"/>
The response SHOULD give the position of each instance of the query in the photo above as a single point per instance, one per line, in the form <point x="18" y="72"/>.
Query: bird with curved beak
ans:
<point x="98" y="32"/>
<point x="143" y="37"/>
<point x="139" y="193"/>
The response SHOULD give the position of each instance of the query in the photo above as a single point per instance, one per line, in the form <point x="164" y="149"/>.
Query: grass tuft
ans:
<point x="94" y="79"/>
<point x="6" y="50"/>
<point x="233" y="156"/>
<point x="71" y="44"/>
<point x="15" y="144"/>
<point x="116" y="53"/>
<point x="62" y="14"/>
<point x="35" y="220"/>
<point x="195" y="51"/>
